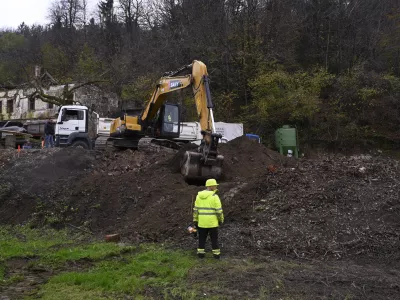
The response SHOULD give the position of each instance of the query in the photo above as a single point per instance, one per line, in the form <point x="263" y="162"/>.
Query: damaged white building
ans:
<point x="17" y="104"/>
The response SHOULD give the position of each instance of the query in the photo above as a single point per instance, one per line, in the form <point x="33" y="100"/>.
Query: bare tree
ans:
<point x="132" y="11"/>
<point x="67" y="13"/>
<point x="84" y="12"/>
<point x="66" y="97"/>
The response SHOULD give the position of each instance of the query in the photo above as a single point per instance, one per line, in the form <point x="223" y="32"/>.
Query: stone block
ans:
<point x="10" y="141"/>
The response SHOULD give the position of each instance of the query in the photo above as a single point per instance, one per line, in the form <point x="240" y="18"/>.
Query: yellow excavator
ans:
<point x="157" y="126"/>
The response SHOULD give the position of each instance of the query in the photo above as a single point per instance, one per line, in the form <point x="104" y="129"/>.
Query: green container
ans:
<point x="286" y="139"/>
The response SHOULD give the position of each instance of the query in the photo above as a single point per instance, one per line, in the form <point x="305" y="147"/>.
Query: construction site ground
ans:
<point x="326" y="227"/>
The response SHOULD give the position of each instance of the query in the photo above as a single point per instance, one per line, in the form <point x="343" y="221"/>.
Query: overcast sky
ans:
<point x="14" y="12"/>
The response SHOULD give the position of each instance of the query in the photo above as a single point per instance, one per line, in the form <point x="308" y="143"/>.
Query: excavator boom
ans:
<point x="198" y="80"/>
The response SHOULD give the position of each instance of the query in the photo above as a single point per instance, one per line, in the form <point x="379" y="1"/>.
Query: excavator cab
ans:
<point x="170" y="121"/>
<point x="162" y="130"/>
<point x="167" y="124"/>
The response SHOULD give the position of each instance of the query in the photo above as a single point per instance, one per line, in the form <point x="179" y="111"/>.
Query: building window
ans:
<point x="10" y="106"/>
<point x="50" y="105"/>
<point x="31" y="104"/>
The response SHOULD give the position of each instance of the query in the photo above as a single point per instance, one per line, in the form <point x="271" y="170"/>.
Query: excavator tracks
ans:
<point x="151" y="145"/>
<point x="102" y="143"/>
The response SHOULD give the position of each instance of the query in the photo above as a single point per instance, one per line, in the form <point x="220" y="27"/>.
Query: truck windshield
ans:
<point x="73" y="115"/>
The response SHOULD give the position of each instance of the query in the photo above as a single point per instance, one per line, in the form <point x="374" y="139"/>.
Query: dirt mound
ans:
<point x="245" y="158"/>
<point x="327" y="208"/>
<point x="38" y="177"/>
<point x="123" y="196"/>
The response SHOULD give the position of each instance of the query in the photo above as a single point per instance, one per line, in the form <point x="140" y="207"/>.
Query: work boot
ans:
<point x="216" y="256"/>
<point x="200" y="255"/>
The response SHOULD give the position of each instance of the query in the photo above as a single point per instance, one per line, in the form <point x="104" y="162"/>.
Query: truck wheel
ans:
<point x="80" y="144"/>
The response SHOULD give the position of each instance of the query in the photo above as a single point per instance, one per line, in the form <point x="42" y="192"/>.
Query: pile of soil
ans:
<point x="244" y="158"/>
<point x="36" y="178"/>
<point x="333" y="207"/>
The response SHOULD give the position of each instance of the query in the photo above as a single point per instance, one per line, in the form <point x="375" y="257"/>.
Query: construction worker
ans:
<point x="207" y="216"/>
<point x="49" y="134"/>
<point x="167" y="125"/>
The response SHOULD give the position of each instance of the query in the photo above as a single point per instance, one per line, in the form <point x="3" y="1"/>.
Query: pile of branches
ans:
<point x="334" y="207"/>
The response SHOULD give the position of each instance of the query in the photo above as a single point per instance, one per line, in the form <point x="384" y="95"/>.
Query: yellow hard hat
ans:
<point x="211" y="182"/>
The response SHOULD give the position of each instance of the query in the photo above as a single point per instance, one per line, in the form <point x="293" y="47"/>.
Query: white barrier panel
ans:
<point x="191" y="131"/>
<point x="104" y="126"/>
<point x="229" y="131"/>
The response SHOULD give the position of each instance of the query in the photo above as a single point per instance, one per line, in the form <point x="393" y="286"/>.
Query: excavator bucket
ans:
<point x="193" y="166"/>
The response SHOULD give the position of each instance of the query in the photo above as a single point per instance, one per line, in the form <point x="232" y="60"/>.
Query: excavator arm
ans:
<point x="198" y="80"/>
<point x="165" y="86"/>
<point x="155" y="127"/>
<point x="202" y="96"/>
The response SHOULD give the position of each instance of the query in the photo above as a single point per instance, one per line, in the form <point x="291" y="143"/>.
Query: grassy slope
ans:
<point x="152" y="268"/>
<point x="113" y="269"/>
<point x="74" y="268"/>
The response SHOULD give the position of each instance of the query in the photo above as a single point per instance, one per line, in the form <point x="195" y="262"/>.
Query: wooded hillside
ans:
<point x="330" y="67"/>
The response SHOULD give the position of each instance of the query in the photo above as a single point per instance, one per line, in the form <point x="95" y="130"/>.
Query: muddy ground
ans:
<point x="331" y="209"/>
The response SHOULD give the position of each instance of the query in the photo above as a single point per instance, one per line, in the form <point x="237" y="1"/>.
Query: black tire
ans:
<point x="82" y="144"/>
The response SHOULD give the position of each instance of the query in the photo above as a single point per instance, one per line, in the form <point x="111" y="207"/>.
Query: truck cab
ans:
<point x="72" y="127"/>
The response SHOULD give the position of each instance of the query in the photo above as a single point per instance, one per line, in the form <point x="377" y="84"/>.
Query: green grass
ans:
<point x="12" y="279"/>
<point x="115" y="271"/>
<point x="154" y="267"/>
<point x="25" y="242"/>
<point x="52" y="247"/>
<point x="67" y="292"/>
<point x="93" y="252"/>
<point x="83" y="269"/>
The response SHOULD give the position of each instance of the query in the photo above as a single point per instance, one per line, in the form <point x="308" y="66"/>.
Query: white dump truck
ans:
<point x="73" y="127"/>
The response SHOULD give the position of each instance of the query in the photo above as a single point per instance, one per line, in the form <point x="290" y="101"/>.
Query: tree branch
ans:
<point x="47" y="98"/>
<point x="87" y="83"/>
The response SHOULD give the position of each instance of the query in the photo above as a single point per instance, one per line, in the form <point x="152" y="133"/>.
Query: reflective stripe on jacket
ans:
<point x="207" y="210"/>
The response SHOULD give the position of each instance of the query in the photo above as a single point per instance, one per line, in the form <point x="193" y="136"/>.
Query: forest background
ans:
<point x="329" y="67"/>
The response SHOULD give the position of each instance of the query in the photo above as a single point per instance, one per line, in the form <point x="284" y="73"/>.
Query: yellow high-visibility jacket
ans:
<point x="207" y="210"/>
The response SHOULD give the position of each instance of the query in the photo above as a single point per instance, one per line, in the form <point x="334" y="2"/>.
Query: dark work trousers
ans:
<point x="203" y="233"/>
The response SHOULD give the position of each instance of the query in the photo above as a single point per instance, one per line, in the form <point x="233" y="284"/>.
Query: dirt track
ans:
<point x="332" y="208"/>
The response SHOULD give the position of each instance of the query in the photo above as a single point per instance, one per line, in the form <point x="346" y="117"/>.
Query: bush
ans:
<point x="281" y="98"/>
